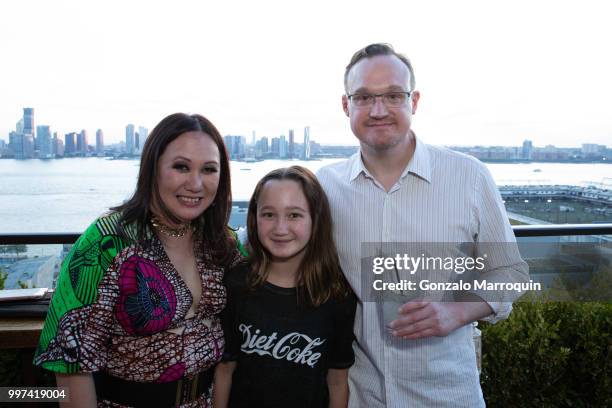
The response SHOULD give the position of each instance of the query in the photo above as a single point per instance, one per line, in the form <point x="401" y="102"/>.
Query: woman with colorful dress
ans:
<point x="134" y="318"/>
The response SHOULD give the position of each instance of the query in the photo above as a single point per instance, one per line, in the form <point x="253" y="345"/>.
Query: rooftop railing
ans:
<point x="520" y="231"/>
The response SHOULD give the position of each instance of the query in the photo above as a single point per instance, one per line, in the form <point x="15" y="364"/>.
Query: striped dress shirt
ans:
<point x="442" y="196"/>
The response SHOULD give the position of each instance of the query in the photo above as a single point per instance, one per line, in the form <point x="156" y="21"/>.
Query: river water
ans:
<point x="66" y="195"/>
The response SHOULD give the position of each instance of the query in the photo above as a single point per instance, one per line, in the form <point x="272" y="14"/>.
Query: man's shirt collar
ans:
<point x="419" y="165"/>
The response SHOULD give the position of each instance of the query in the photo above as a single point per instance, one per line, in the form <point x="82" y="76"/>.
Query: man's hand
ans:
<point x="420" y="319"/>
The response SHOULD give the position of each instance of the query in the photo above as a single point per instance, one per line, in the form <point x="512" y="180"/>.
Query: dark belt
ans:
<point x="151" y="394"/>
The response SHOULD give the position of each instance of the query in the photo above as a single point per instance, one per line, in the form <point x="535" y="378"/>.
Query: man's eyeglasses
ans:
<point x="390" y="99"/>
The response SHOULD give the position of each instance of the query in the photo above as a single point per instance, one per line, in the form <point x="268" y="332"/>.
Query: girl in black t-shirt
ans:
<point x="289" y="317"/>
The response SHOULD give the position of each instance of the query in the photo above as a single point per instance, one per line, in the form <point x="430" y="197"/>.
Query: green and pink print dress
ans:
<point x="114" y="304"/>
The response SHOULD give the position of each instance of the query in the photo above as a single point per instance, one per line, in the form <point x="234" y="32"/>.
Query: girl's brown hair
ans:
<point x="319" y="276"/>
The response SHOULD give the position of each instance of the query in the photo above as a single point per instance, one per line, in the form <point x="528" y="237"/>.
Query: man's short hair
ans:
<point x="373" y="50"/>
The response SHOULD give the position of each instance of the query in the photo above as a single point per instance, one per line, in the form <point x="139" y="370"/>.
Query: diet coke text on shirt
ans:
<point x="295" y="347"/>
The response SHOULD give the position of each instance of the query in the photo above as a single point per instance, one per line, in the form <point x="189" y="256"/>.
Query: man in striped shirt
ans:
<point x="398" y="189"/>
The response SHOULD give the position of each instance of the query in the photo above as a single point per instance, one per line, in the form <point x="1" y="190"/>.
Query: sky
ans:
<point x="489" y="72"/>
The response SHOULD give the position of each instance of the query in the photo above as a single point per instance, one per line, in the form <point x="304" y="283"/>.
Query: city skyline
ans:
<point x="29" y="141"/>
<point x="134" y="141"/>
<point x="488" y="73"/>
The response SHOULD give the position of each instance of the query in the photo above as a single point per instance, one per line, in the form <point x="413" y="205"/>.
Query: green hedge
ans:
<point x="549" y="354"/>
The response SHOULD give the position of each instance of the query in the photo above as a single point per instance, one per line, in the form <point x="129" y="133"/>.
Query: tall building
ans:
<point x="264" y="145"/>
<point x="235" y="146"/>
<point x="21" y="145"/>
<point x="58" y="145"/>
<point x="291" y="152"/>
<point x="28" y="146"/>
<point x="527" y="150"/>
<point x="43" y="141"/>
<point x="70" y="145"/>
<point x="129" y="139"/>
<point x="253" y="138"/>
<point x="242" y="147"/>
<point x="21" y="142"/>
<point x="99" y="141"/>
<point x="4" y="150"/>
<point x="81" y="146"/>
<point x="282" y="151"/>
<point x="306" y="152"/>
<point x="275" y="146"/>
<point x="229" y="144"/>
<point x="257" y="151"/>
<point x="28" y="121"/>
<point x="143" y="134"/>
<point x="16" y="144"/>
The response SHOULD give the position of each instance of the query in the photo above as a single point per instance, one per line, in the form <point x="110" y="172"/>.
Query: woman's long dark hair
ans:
<point x="319" y="276"/>
<point x="212" y="224"/>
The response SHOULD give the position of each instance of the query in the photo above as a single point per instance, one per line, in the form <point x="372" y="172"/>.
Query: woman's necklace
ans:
<point x="171" y="232"/>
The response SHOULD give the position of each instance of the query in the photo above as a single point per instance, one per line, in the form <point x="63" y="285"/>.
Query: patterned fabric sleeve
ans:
<point x="61" y="346"/>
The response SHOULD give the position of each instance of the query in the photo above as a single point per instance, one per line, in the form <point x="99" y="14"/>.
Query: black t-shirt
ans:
<point x="283" y="350"/>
